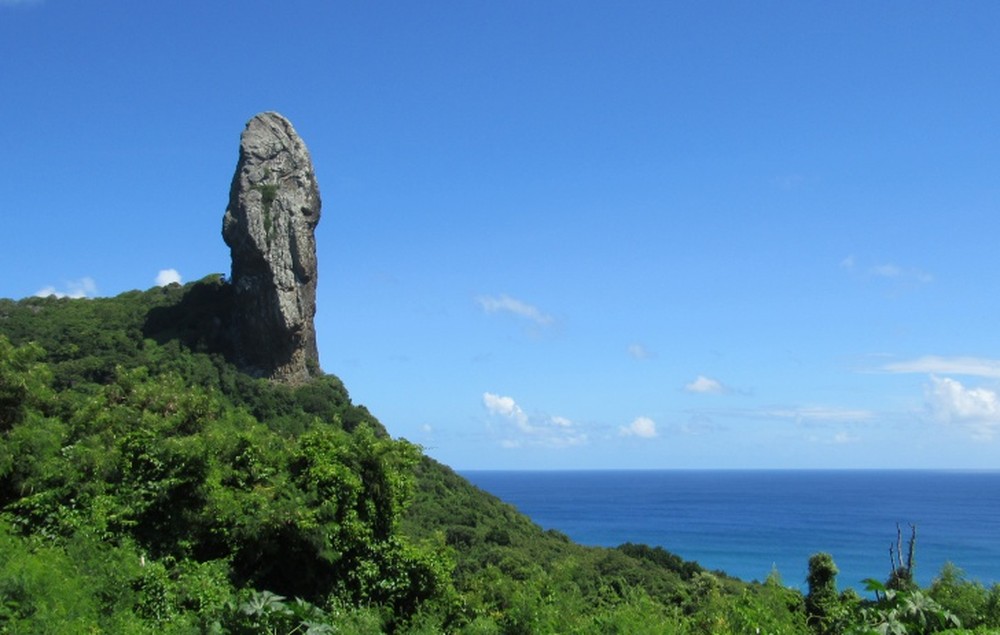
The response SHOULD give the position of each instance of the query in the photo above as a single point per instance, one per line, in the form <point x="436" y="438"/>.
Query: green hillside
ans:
<point x="148" y="486"/>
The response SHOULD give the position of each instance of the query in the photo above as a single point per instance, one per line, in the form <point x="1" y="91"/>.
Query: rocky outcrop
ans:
<point x="274" y="206"/>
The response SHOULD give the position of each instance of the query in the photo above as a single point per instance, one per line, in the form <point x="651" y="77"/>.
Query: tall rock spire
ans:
<point x="274" y="207"/>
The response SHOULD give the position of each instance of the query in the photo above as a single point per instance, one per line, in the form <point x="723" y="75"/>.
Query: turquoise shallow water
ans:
<point x="747" y="522"/>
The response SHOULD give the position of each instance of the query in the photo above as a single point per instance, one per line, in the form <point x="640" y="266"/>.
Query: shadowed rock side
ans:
<point x="274" y="206"/>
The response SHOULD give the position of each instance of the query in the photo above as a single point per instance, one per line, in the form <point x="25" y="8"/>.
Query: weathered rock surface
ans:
<point x="274" y="207"/>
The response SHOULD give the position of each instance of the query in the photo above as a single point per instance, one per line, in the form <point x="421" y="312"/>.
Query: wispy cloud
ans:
<point x="167" y="276"/>
<point x="18" y="3"/>
<point x="896" y="272"/>
<point x="836" y="438"/>
<point x="642" y="427"/>
<point x="788" y="182"/>
<point x="506" y="304"/>
<point x="562" y="422"/>
<point x="705" y="385"/>
<point x="540" y="430"/>
<point x="977" y="409"/>
<point x="843" y="438"/>
<point x="638" y="351"/>
<point x="83" y="288"/>
<point x="819" y="414"/>
<point x="932" y="364"/>
<point x="698" y="424"/>
<point x="887" y="271"/>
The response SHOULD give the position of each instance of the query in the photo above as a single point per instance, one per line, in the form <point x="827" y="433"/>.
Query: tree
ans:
<point x="900" y="574"/>
<point x="22" y="379"/>
<point x="822" y="602"/>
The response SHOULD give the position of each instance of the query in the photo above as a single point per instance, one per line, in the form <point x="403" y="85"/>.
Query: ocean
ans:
<point x="748" y="523"/>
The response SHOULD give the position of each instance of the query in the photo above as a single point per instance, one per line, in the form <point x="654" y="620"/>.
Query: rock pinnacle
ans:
<point x="274" y="207"/>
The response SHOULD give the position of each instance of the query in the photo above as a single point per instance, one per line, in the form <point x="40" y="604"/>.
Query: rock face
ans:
<point x="274" y="207"/>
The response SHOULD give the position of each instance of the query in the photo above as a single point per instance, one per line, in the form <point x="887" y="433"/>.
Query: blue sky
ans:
<point x="560" y="234"/>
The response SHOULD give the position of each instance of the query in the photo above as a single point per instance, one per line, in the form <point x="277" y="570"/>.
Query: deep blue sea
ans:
<point x="747" y="522"/>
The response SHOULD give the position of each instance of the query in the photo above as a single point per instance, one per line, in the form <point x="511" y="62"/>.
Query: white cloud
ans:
<point x="642" y="427"/>
<point x="931" y="364"/>
<point x="167" y="276"/>
<point x="83" y="288"/>
<point x="976" y="408"/>
<point x="507" y="407"/>
<point x="545" y="431"/>
<point x="948" y="400"/>
<point x="507" y="304"/>
<point x="705" y="385"/>
<point x="638" y="351"/>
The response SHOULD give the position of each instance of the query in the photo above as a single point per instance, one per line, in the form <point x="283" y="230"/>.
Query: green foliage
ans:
<point x="41" y="585"/>
<point x="147" y="486"/>
<point x="24" y="381"/>
<point x="902" y="612"/>
<point x="823" y="605"/>
<point x="268" y="194"/>
<point x="165" y="450"/>
<point x="662" y="558"/>
<point x="769" y="608"/>
<point x="974" y="605"/>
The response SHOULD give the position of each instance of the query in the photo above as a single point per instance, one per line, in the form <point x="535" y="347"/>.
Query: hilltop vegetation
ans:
<point x="148" y="486"/>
